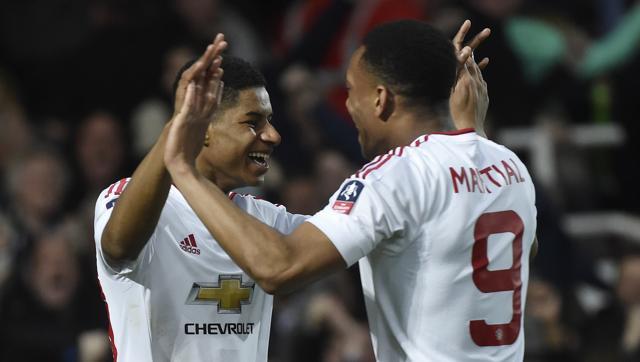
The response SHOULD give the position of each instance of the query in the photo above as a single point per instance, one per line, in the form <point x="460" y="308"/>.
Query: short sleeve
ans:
<point x="365" y="213"/>
<point x="104" y="207"/>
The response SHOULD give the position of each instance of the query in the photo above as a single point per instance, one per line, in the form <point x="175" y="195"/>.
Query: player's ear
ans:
<point x="385" y="102"/>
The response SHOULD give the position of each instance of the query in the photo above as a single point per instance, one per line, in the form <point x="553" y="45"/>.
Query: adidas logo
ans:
<point x="189" y="245"/>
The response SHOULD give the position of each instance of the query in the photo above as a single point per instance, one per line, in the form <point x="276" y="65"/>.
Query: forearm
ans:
<point x="136" y="213"/>
<point x="261" y="251"/>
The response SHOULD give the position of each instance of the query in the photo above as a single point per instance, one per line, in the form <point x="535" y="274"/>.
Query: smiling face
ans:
<point x="361" y="103"/>
<point x="241" y="140"/>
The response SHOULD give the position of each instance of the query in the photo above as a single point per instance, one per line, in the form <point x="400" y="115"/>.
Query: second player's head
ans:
<point x="402" y="66"/>
<point x="240" y="138"/>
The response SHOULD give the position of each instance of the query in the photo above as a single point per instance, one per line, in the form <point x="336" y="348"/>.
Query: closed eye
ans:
<point x="251" y="123"/>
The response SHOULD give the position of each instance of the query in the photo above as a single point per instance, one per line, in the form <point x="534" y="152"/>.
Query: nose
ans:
<point x="270" y="135"/>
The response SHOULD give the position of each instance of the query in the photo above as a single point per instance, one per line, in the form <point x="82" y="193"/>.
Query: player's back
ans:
<point x="451" y="285"/>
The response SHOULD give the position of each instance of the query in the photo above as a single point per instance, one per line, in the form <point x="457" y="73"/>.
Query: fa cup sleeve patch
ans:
<point x="348" y="196"/>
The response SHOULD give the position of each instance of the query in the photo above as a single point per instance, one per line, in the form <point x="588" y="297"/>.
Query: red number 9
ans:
<point x="491" y="281"/>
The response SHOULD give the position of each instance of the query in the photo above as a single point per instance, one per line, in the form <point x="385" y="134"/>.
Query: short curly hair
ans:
<point x="414" y="59"/>
<point x="238" y="75"/>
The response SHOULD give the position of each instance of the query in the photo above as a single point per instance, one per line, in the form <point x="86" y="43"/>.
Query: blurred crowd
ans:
<point x="85" y="89"/>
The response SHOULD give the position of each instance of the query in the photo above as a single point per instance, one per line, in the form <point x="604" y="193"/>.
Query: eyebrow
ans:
<point x="255" y="114"/>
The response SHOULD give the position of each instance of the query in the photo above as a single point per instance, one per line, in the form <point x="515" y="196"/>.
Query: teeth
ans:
<point x="261" y="155"/>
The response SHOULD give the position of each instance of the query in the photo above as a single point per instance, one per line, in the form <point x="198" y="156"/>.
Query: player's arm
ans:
<point x="469" y="99"/>
<point x="136" y="213"/>
<point x="277" y="262"/>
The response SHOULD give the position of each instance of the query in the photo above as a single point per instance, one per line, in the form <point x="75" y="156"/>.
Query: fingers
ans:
<point x="213" y="51"/>
<point x="483" y="63"/>
<point x="462" y="33"/>
<point x="464" y="54"/>
<point x="214" y="91"/>
<point x="479" y="38"/>
<point x="188" y="98"/>
<point x="458" y="41"/>
<point x="219" y="96"/>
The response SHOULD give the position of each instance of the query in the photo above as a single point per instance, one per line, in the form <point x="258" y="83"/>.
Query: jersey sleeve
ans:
<point x="372" y="212"/>
<point x="273" y="215"/>
<point x="104" y="207"/>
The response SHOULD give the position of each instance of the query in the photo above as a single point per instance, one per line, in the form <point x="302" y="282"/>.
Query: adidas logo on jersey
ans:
<point x="189" y="245"/>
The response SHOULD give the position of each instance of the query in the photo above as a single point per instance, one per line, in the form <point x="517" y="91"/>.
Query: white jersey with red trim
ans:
<point x="183" y="298"/>
<point x="443" y="229"/>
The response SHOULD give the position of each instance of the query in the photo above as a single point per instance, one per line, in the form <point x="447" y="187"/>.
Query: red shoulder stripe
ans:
<point x="384" y="160"/>
<point x="370" y="164"/>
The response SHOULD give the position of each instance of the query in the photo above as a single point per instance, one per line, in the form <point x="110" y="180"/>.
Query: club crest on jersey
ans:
<point x="348" y="196"/>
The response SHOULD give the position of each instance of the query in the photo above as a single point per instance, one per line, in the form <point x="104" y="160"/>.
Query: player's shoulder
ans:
<point x="252" y="203"/>
<point x="395" y="163"/>
<point x="501" y="150"/>
<point x="111" y="193"/>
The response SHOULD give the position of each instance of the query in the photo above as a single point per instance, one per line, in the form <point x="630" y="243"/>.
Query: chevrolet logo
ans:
<point x="229" y="294"/>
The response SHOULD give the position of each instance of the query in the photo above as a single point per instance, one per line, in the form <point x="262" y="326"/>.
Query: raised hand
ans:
<point x="197" y="97"/>
<point x="463" y="52"/>
<point x="469" y="99"/>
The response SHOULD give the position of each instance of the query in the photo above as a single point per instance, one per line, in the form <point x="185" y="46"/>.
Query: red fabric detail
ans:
<point x="380" y="164"/>
<point x="193" y="240"/>
<point x="112" y="342"/>
<point x="343" y="207"/>
<point x="456" y="132"/>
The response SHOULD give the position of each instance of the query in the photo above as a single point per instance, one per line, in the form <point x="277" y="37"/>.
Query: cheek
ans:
<point x="347" y="103"/>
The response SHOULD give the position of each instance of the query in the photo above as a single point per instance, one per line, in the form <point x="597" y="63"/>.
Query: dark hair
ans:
<point x="238" y="75"/>
<point x="414" y="59"/>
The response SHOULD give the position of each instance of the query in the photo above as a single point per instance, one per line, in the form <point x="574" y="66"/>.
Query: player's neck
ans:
<point x="406" y="127"/>
<point x="212" y="174"/>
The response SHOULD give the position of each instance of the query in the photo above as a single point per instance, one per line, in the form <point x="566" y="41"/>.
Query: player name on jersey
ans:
<point x="503" y="173"/>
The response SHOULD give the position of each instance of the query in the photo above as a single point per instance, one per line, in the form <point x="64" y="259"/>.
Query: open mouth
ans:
<point x="260" y="158"/>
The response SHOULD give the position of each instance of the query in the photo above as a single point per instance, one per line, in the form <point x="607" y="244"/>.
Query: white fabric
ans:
<point x="148" y="298"/>
<point x="414" y="236"/>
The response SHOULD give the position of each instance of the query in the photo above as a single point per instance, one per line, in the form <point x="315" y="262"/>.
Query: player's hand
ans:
<point x="197" y="97"/>
<point x="469" y="99"/>
<point x="463" y="52"/>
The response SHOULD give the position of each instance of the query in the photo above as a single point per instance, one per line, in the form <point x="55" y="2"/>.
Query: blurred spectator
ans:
<point x="150" y="116"/>
<point x="100" y="151"/>
<point x="7" y="250"/>
<point x="43" y="311"/>
<point x="16" y="135"/>
<point x="300" y="196"/>
<point x="348" y="339"/>
<point x="613" y="334"/>
<point x="202" y="19"/>
<point x="37" y="189"/>
<point x="331" y="168"/>
<point x="550" y="337"/>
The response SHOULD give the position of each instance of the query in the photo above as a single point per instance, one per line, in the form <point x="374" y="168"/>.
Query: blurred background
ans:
<point x="85" y="90"/>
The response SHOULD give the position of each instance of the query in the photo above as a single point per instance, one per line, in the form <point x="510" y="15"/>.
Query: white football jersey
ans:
<point x="183" y="298"/>
<point x="445" y="226"/>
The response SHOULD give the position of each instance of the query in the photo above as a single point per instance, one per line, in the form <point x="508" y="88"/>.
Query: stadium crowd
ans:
<point x="85" y="90"/>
